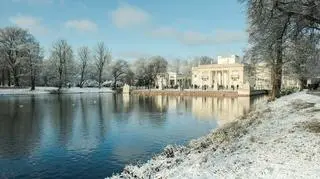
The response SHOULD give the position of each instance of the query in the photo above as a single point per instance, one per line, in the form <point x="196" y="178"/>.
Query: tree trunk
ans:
<point x="302" y="82"/>
<point x="3" y="77"/>
<point x="277" y="74"/>
<point x="81" y="79"/>
<point x="33" y="83"/>
<point x="115" y="83"/>
<point x="16" y="76"/>
<point x="100" y="78"/>
<point x="9" y="77"/>
<point x="33" y="79"/>
<point x="60" y="80"/>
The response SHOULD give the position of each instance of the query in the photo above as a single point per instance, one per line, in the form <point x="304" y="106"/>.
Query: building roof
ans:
<point x="218" y="66"/>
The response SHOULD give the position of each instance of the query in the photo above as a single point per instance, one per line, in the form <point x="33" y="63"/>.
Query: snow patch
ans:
<point x="272" y="141"/>
<point x="48" y="90"/>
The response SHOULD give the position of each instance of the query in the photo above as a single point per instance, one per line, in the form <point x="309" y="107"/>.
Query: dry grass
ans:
<point x="299" y="104"/>
<point x="313" y="126"/>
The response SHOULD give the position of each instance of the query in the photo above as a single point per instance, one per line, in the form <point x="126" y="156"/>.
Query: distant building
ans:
<point x="262" y="77"/>
<point x="227" y="73"/>
<point x="263" y="73"/>
<point x="172" y="80"/>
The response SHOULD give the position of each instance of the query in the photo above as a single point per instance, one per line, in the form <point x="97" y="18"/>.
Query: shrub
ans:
<point x="287" y="91"/>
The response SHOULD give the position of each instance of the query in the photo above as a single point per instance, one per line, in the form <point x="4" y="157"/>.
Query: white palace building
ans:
<point x="228" y="73"/>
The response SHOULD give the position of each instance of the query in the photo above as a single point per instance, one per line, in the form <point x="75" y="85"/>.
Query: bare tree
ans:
<point x="12" y="43"/>
<point x="84" y="57"/>
<point x="273" y="25"/>
<point x="102" y="57"/>
<point x="146" y="70"/>
<point x="118" y="70"/>
<point x="60" y="54"/>
<point x="204" y="60"/>
<point x="305" y="62"/>
<point x="156" y="65"/>
<point x="34" y="57"/>
<point x="3" y="67"/>
<point x="175" y="65"/>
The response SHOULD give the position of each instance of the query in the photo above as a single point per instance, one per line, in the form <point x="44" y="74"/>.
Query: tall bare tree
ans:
<point x="12" y="43"/>
<point x="102" y="57"/>
<point x="119" y="69"/>
<point x="305" y="62"/>
<point x="273" y="24"/>
<point x="155" y="66"/>
<point x="34" y="57"/>
<point x="3" y="67"/>
<point x="146" y="70"/>
<point x="61" y="53"/>
<point x="84" y="57"/>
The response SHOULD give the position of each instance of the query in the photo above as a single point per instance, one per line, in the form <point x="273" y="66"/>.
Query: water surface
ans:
<point x="95" y="135"/>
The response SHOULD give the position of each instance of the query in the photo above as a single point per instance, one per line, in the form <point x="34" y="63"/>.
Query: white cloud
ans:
<point x="199" y="38"/>
<point x="82" y="25"/>
<point x="31" y="23"/>
<point x="164" y="32"/>
<point x="128" y="16"/>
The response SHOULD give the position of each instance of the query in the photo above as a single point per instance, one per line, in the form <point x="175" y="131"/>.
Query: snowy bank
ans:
<point x="48" y="90"/>
<point x="279" y="139"/>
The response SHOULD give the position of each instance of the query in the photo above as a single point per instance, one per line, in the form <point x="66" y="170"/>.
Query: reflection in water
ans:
<point x="224" y="109"/>
<point x="94" y="135"/>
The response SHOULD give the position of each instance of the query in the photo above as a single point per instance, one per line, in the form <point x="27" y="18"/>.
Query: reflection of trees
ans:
<point x="19" y="126"/>
<point x="152" y="104"/>
<point x="65" y="117"/>
<point x="101" y="117"/>
<point x="84" y="115"/>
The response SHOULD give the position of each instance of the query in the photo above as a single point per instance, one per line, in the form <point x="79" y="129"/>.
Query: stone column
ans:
<point x="223" y="77"/>
<point x="210" y="78"/>
<point x="215" y="80"/>
<point x="219" y="77"/>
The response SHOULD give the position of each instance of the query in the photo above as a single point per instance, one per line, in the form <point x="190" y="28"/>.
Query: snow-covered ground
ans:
<point x="279" y="139"/>
<point x="47" y="90"/>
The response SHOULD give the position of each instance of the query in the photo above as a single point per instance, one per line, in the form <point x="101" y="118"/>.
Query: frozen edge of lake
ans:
<point x="279" y="139"/>
<point x="49" y="90"/>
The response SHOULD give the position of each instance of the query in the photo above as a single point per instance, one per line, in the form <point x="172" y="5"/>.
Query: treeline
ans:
<point x="285" y="34"/>
<point x="22" y="64"/>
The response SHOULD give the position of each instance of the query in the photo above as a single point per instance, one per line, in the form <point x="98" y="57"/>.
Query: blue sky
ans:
<point x="135" y="28"/>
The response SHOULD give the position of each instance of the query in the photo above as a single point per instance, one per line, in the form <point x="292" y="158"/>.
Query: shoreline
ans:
<point x="204" y="93"/>
<point x="51" y="90"/>
<point x="278" y="139"/>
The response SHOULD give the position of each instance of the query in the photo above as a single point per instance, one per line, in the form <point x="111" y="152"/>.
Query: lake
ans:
<point x="96" y="135"/>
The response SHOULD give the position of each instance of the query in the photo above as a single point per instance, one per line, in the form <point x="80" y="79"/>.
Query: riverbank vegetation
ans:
<point x="23" y="64"/>
<point x="285" y="35"/>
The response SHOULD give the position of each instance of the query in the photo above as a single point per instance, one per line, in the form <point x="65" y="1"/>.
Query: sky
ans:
<point x="134" y="28"/>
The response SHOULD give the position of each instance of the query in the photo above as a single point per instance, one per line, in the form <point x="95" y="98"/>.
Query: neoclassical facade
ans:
<point x="173" y="79"/>
<point x="228" y="73"/>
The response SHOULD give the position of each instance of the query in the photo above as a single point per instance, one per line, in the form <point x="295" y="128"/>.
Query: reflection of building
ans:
<point x="226" y="73"/>
<point x="126" y="101"/>
<point x="225" y="109"/>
